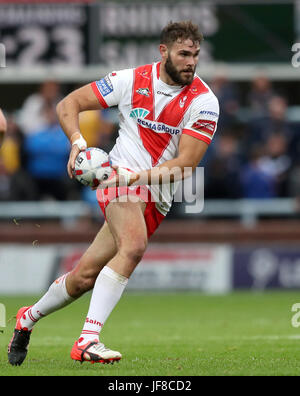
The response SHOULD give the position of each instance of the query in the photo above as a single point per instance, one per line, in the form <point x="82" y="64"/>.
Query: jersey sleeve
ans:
<point x="109" y="89"/>
<point x="203" y="120"/>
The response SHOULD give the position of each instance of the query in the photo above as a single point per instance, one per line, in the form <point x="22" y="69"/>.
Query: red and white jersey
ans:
<point x="153" y="116"/>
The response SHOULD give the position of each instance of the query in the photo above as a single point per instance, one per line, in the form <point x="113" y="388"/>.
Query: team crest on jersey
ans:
<point x="144" y="74"/>
<point x="194" y="90"/>
<point x="182" y="101"/>
<point x="143" y="91"/>
<point x="139" y="113"/>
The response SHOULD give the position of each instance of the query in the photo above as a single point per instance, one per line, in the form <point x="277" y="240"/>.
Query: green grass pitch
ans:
<point x="183" y="334"/>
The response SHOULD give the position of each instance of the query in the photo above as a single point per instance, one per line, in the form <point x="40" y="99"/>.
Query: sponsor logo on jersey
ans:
<point x="105" y="86"/>
<point x="164" y="93"/>
<point x="139" y="115"/>
<point x="206" y="126"/>
<point x="143" y="91"/>
<point x="139" y="112"/>
<point x="158" y="127"/>
<point x="211" y="113"/>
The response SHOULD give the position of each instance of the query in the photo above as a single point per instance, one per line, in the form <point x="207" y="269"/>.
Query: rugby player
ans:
<point x="168" y="118"/>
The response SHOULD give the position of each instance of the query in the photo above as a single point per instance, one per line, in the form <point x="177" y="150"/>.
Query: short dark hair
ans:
<point x="183" y="30"/>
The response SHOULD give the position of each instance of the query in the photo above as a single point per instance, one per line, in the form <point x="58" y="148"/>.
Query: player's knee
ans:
<point x="134" y="250"/>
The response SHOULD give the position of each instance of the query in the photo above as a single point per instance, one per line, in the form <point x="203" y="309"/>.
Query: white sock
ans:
<point x="56" y="297"/>
<point x="107" y="292"/>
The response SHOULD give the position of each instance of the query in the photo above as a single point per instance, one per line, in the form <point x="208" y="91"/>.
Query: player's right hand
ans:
<point x="78" y="144"/>
<point x="71" y="163"/>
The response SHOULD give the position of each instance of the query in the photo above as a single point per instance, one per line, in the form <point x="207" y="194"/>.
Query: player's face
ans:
<point x="181" y="61"/>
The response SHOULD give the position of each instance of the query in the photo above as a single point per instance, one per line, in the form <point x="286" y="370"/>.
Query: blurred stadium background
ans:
<point x="247" y="236"/>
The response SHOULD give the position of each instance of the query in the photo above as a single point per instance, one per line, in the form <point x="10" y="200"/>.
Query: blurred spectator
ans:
<point x="10" y="151"/>
<point x="277" y="112"/>
<point x="227" y="95"/>
<point x="90" y="126"/>
<point x="274" y="121"/>
<point x="260" y="95"/>
<point x="266" y="175"/>
<point x="98" y="128"/>
<point x="276" y="162"/>
<point x="19" y="184"/>
<point x="4" y="176"/>
<point x="109" y="129"/>
<point x="47" y="152"/>
<point x="256" y="182"/>
<point x="5" y="182"/>
<point x="222" y="170"/>
<point x="31" y="116"/>
<point x="294" y="182"/>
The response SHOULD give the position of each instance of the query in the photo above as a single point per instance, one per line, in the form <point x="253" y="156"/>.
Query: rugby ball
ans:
<point x="92" y="166"/>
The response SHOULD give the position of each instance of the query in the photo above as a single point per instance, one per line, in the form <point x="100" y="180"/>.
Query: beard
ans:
<point x="177" y="76"/>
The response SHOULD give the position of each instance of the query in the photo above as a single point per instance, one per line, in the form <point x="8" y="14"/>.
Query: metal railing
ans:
<point x="247" y="210"/>
<point x="66" y="212"/>
<point x="71" y="74"/>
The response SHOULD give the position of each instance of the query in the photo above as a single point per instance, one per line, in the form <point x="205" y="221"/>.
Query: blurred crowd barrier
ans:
<point x="254" y="154"/>
<point x="213" y="268"/>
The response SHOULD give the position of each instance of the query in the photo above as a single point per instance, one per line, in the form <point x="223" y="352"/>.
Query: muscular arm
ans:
<point x="68" y="110"/>
<point x="3" y="127"/>
<point x="190" y="153"/>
